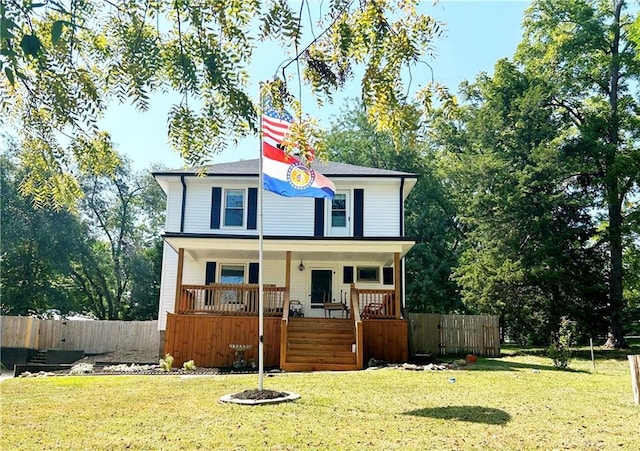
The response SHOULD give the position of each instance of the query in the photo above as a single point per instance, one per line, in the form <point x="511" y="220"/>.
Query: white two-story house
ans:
<point x="332" y="269"/>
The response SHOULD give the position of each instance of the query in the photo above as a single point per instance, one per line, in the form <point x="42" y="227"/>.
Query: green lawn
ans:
<point x="516" y="402"/>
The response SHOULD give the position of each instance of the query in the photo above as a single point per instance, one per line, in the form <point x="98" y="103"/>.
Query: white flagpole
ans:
<point x="260" y="265"/>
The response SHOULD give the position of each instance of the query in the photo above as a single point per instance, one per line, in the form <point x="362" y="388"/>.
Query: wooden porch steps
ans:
<point x="315" y="344"/>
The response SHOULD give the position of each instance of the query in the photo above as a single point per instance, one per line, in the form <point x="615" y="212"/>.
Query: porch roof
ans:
<point x="206" y="246"/>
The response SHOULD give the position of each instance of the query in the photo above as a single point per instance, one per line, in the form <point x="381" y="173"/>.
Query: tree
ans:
<point x="62" y="62"/>
<point x="146" y="270"/>
<point x="103" y="260"/>
<point x="527" y="252"/>
<point x="36" y="247"/>
<point x="582" y="48"/>
<point x="429" y="214"/>
<point x="120" y="245"/>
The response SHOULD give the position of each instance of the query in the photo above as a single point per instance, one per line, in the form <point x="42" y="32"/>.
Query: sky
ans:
<point x="477" y="34"/>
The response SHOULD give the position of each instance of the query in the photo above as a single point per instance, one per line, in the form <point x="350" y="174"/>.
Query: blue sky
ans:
<point x="478" y="33"/>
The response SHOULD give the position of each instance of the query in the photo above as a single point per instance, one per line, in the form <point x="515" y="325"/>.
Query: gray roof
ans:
<point x="251" y="167"/>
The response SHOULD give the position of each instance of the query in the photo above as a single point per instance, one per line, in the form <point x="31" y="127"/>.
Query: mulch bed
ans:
<point x="256" y="394"/>
<point x="130" y="369"/>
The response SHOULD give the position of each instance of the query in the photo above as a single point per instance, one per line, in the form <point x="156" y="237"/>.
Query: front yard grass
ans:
<point x="515" y="402"/>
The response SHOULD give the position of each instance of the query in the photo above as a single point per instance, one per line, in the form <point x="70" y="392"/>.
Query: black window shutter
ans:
<point x="358" y="212"/>
<point x="347" y="274"/>
<point x="318" y="224"/>
<point x="253" y="272"/>
<point x="252" y="213"/>
<point x="216" y="206"/>
<point x="210" y="275"/>
<point x="387" y="275"/>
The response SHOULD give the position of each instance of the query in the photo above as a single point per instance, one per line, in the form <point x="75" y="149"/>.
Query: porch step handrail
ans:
<point x="357" y="323"/>
<point x="283" y="332"/>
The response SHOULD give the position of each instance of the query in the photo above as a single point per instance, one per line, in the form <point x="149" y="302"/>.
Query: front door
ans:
<point x="321" y="283"/>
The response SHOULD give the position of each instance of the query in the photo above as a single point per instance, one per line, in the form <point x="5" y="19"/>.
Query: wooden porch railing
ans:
<point x="357" y="321"/>
<point x="230" y="299"/>
<point x="376" y="303"/>
<point x="283" y="333"/>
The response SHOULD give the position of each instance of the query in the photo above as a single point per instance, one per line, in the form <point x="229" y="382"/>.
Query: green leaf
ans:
<point x="9" y="73"/>
<point x="30" y="45"/>
<point x="56" y="31"/>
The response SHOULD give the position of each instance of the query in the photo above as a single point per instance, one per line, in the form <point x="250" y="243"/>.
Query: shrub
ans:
<point x="166" y="364"/>
<point x="561" y="341"/>
<point x="189" y="366"/>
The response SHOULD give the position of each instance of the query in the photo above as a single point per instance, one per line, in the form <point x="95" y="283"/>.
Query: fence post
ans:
<point x="634" y="366"/>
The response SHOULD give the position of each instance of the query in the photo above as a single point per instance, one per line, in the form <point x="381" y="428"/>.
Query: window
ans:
<point x="234" y="208"/>
<point x="368" y="274"/>
<point x="339" y="210"/>
<point x="231" y="274"/>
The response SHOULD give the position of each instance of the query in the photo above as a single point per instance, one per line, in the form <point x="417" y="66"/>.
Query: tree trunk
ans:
<point x="616" y="301"/>
<point x="614" y="198"/>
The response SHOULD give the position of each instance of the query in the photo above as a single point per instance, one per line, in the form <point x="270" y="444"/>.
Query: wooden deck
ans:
<point x="205" y="339"/>
<point x="311" y="343"/>
<point x="211" y="318"/>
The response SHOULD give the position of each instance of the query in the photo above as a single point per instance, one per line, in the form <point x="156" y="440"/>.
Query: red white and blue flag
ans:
<point x="284" y="173"/>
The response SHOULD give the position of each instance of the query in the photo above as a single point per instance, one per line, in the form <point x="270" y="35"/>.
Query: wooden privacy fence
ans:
<point x="455" y="334"/>
<point x="94" y="337"/>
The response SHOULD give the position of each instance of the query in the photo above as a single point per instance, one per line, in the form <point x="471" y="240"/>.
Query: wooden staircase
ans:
<point x="315" y="344"/>
<point x="39" y="357"/>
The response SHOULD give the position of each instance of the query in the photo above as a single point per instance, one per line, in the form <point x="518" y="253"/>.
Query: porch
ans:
<point x="243" y="300"/>
<point x="210" y="318"/>
<point x="348" y="292"/>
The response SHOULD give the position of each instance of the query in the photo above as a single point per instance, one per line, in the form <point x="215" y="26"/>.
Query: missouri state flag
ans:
<point x="284" y="173"/>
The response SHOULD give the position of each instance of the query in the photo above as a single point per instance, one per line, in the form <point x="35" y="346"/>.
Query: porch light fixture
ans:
<point x="301" y="266"/>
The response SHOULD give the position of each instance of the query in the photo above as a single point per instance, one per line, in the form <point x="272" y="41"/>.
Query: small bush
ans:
<point x="561" y="341"/>
<point x="189" y="366"/>
<point x="166" y="364"/>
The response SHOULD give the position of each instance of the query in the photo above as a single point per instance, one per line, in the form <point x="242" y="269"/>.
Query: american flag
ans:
<point x="276" y="124"/>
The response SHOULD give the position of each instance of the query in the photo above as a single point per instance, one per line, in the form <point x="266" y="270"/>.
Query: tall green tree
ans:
<point x="527" y="252"/>
<point x="583" y="49"/>
<point x="120" y="245"/>
<point x="36" y="249"/>
<point x="103" y="259"/>
<point x="429" y="214"/>
<point x="63" y="61"/>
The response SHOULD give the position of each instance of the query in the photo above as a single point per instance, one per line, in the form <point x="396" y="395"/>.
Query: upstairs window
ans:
<point x="339" y="210"/>
<point x="234" y="208"/>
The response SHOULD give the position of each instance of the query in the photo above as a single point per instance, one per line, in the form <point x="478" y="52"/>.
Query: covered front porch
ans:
<point x="243" y="300"/>
<point x="326" y="304"/>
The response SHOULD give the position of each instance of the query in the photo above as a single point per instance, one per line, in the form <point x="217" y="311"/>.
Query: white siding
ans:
<point x="381" y="210"/>
<point x="193" y="271"/>
<point x="286" y="216"/>
<point x="174" y="206"/>
<point x="168" y="285"/>
<point x="197" y="215"/>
